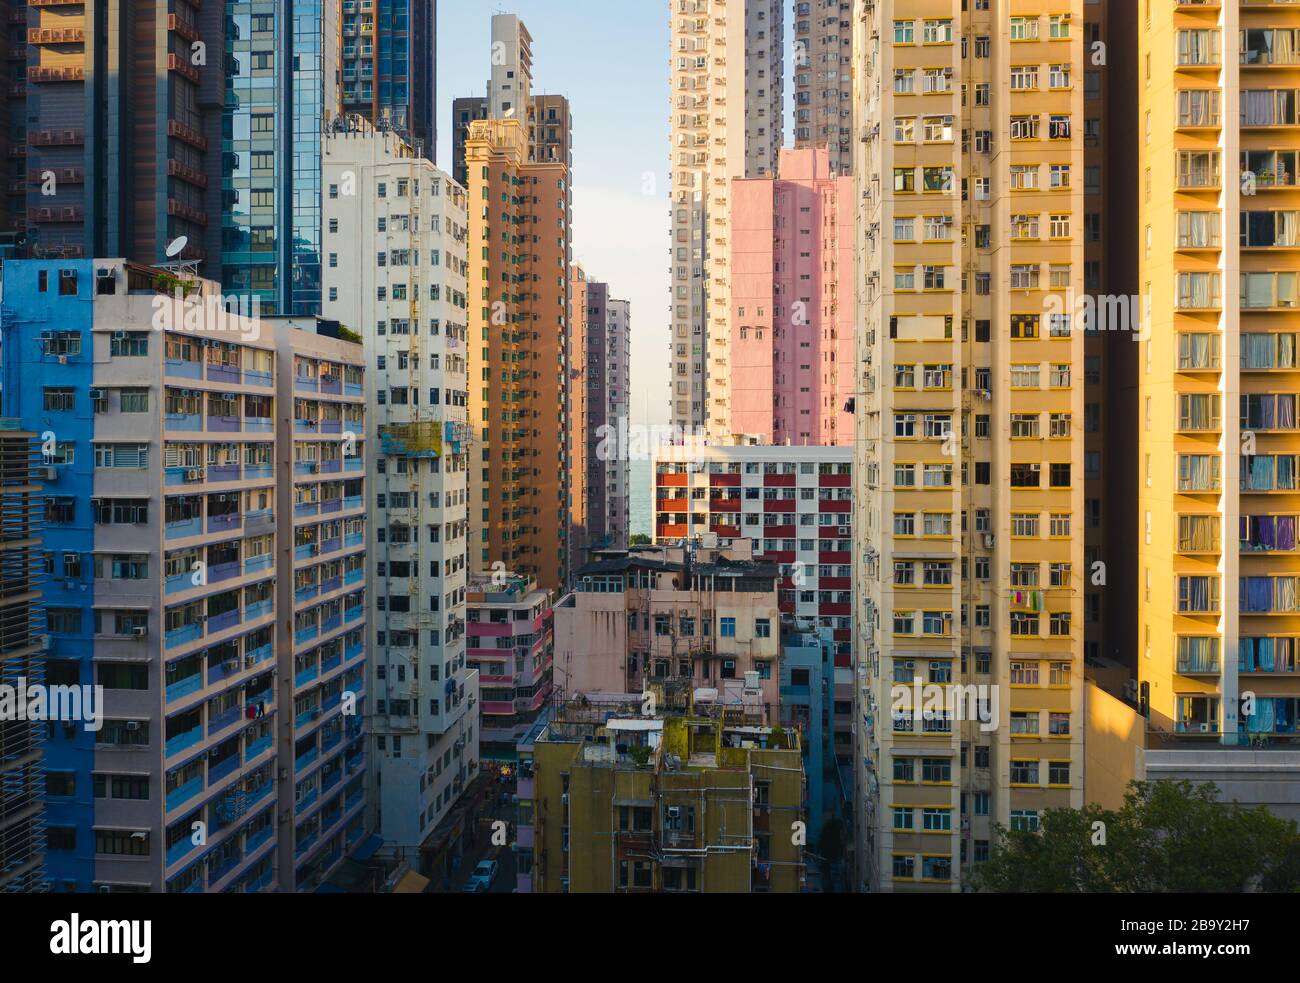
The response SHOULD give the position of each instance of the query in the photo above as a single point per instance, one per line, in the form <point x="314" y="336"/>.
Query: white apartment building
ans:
<point x="726" y="107"/>
<point x="396" y="262"/>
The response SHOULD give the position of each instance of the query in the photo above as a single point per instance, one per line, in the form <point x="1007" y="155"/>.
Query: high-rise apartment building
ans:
<point x="321" y="594"/>
<point x="389" y="66"/>
<point x="969" y="548"/>
<point x="510" y="96"/>
<point x="205" y="527"/>
<point x="792" y="272"/>
<point x="581" y="448"/>
<point x="1217" y="380"/>
<point x="123" y="131"/>
<point x="22" y="662"/>
<point x="602" y="327"/>
<point x="13" y="127"/>
<point x="726" y="113"/>
<point x="510" y="86"/>
<point x="396" y="233"/>
<point x="521" y="241"/>
<point x="1110" y="188"/>
<point x="823" y="79"/>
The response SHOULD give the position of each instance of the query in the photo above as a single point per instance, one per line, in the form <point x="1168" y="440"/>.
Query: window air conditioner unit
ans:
<point x="133" y="725"/>
<point x="140" y="631"/>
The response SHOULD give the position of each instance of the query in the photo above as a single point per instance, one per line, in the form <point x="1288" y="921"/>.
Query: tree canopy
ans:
<point x="1168" y="837"/>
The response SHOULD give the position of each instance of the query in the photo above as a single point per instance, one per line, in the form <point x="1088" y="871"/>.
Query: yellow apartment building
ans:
<point x="1219" y="153"/>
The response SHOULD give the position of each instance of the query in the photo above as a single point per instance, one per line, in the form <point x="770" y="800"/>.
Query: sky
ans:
<point x="611" y="59"/>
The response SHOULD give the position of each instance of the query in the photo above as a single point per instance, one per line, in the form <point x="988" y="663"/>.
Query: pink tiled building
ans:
<point x="792" y="322"/>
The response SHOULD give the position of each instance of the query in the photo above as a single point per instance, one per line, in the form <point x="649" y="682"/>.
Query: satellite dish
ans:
<point x="176" y="245"/>
<point x="509" y="112"/>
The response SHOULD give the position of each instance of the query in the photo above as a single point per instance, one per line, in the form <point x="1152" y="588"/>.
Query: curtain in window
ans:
<point x="1264" y="658"/>
<point x="1256" y="594"/>
<point x="1257" y="290"/>
<point x="1257" y="107"/>
<point x="1285" y="471"/>
<point x="1284" y="594"/>
<point x="1261" y="721"/>
<point x="1285" y="411"/>
<point x="1285" y="533"/>
<point x="1284" y="717"/>
<point x="1256" y="473"/>
<point x="1283" y="46"/>
<point x="1286" y="350"/>
<point x="1257" y="351"/>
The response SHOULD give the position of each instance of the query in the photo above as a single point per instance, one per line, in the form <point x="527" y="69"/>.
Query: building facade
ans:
<point x="22" y="661"/>
<point x="823" y="79"/>
<point x="122" y="129"/>
<point x="511" y="645"/>
<point x="396" y="269"/>
<point x="792" y="262"/>
<point x="1218" y="619"/>
<point x="969" y="546"/>
<point x="389" y="66"/>
<point x="703" y="615"/>
<point x="605" y="326"/>
<point x="794" y="506"/>
<point x="726" y="109"/>
<point x="281" y="88"/>
<point x="518" y="401"/>
<point x="175" y="462"/>
<point x="689" y="799"/>
<point x="807" y="707"/>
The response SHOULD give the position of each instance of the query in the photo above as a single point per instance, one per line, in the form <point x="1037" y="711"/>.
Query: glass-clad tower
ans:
<point x="282" y="82"/>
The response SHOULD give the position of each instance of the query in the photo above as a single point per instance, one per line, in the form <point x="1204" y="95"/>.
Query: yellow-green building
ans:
<point x="669" y="793"/>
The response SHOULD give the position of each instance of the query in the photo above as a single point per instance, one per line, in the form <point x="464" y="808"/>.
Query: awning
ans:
<point x="411" y="883"/>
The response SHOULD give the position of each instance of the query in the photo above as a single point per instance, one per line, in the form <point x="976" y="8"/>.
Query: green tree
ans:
<point x="1168" y="837"/>
<point x="639" y="539"/>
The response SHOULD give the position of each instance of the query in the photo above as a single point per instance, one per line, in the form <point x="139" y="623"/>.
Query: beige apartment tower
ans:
<point x="823" y="79"/>
<point x="726" y="106"/>
<point x="969" y="547"/>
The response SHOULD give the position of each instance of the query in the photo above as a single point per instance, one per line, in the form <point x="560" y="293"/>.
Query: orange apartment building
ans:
<point x="520" y="253"/>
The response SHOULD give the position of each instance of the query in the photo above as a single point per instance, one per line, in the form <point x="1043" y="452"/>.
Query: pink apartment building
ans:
<point x="510" y="642"/>
<point x="792" y="323"/>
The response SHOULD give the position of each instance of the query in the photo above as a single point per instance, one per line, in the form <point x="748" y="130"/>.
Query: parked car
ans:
<point x="479" y="882"/>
